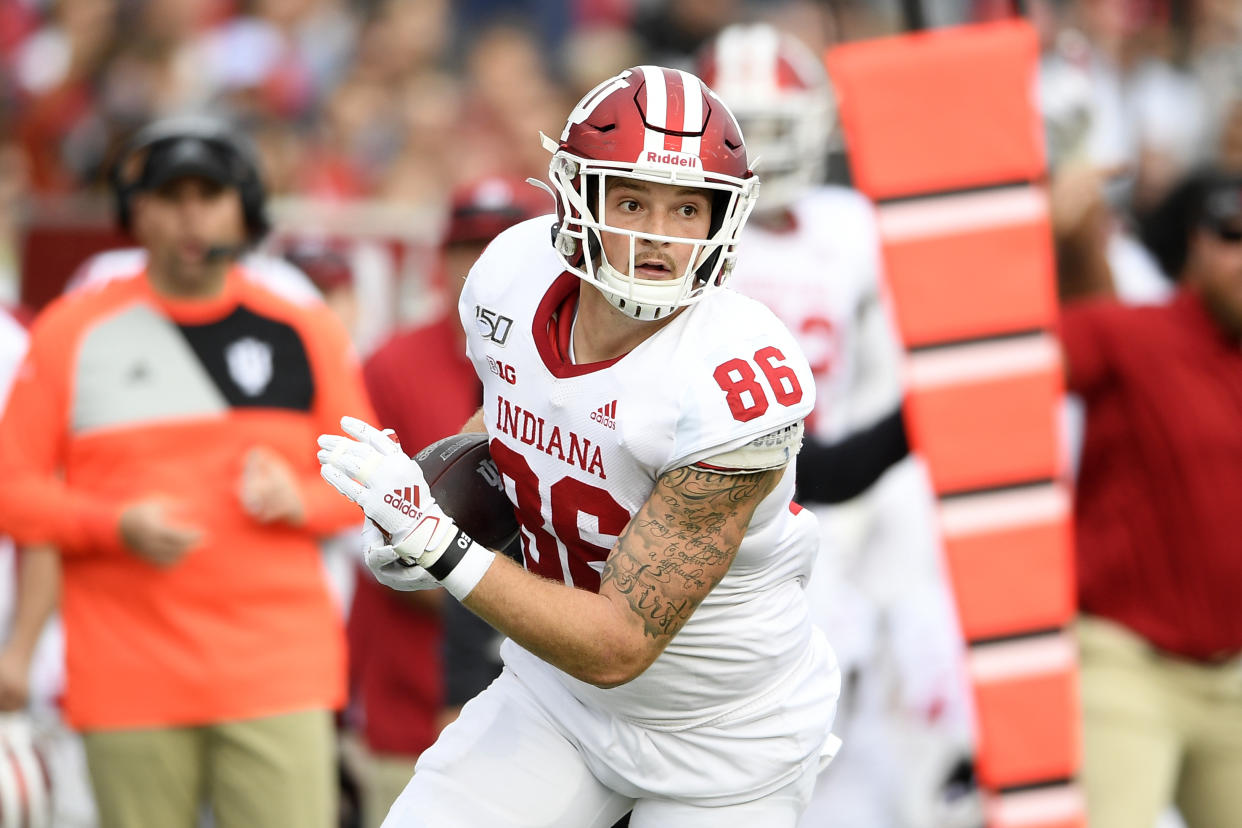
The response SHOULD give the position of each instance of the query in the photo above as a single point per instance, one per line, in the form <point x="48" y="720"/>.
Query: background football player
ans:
<point x="811" y="253"/>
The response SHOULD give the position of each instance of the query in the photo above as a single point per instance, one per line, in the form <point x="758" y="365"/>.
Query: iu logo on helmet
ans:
<point x="591" y="100"/>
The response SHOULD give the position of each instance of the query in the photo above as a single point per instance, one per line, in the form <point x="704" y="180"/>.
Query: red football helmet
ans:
<point x="659" y="125"/>
<point x="482" y="208"/>
<point x="783" y="99"/>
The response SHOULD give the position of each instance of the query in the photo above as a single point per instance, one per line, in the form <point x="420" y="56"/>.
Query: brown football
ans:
<point x="467" y="485"/>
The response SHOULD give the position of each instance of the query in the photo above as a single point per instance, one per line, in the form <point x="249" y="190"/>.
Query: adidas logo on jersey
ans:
<point x="606" y="415"/>
<point x="403" y="500"/>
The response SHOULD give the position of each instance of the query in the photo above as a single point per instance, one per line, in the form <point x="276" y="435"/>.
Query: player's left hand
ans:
<point x="373" y="471"/>
<point x="386" y="564"/>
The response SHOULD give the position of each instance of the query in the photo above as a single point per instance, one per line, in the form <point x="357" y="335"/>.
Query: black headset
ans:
<point x="128" y="171"/>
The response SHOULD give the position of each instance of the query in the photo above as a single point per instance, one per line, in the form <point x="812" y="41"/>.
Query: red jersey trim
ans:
<point x="552" y="325"/>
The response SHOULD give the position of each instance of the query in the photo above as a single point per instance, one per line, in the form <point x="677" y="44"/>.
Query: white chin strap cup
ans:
<point x="644" y="300"/>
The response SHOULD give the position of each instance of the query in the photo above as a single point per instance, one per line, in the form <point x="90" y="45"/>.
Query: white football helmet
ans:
<point x="781" y="95"/>
<point x="660" y="125"/>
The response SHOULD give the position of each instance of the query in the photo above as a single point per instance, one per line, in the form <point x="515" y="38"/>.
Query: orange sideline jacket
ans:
<point x="126" y="394"/>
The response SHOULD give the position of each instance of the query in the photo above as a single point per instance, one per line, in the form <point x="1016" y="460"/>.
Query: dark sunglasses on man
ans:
<point x="1222" y="207"/>
<point x="1227" y="231"/>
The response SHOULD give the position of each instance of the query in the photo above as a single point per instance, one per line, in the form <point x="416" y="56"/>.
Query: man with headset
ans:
<point x="156" y="436"/>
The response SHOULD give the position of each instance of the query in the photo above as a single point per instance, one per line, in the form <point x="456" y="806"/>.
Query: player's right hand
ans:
<point x="386" y="564"/>
<point x="152" y="533"/>
<point x="370" y="469"/>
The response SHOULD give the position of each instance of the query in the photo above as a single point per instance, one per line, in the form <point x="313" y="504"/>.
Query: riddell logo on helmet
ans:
<point x="675" y="159"/>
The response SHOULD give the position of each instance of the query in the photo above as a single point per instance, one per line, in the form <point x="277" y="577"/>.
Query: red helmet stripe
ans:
<point x="695" y="111"/>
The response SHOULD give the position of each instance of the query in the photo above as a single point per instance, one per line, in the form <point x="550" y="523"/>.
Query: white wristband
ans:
<point x="458" y="565"/>
<point x="469" y="571"/>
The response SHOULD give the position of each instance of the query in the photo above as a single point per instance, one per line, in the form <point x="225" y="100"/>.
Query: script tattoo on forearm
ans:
<point x="681" y="543"/>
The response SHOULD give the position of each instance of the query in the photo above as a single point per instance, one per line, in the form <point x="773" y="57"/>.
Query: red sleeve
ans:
<point x="338" y="391"/>
<point x="382" y="388"/>
<point x="36" y="505"/>
<point x="1085" y="330"/>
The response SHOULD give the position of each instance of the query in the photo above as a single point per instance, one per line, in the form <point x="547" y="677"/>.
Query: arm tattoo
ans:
<point x="681" y="543"/>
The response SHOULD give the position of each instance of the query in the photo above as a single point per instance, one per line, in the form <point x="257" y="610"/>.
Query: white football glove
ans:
<point x="372" y="471"/>
<point x="386" y="565"/>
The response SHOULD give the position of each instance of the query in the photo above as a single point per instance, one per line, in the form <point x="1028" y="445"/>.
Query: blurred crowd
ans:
<point x="401" y="100"/>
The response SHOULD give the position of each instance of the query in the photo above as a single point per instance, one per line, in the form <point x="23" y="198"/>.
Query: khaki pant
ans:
<point x="272" y="772"/>
<point x="381" y="777"/>
<point x="1158" y="730"/>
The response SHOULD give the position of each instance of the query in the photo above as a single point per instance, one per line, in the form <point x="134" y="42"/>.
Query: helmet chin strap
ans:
<point x="650" y="302"/>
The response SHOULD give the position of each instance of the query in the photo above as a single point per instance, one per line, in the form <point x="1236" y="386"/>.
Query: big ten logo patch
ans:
<point x="492" y="325"/>
<point x="503" y="370"/>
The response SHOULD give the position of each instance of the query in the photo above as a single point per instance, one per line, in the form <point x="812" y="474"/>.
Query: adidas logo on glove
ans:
<point x="404" y="501"/>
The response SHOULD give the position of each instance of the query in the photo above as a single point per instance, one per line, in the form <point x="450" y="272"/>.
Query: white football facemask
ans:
<point x="580" y="181"/>
<point x="788" y="139"/>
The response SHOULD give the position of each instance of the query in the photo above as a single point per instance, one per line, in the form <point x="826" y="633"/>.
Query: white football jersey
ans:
<point x="582" y="446"/>
<point x="820" y="277"/>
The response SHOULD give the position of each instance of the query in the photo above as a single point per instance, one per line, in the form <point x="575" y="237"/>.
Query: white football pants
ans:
<point x="504" y="763"/>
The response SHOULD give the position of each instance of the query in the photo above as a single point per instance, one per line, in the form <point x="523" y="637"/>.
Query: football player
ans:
<point x="811" y="253"/>
<point x="660" y="653"/>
